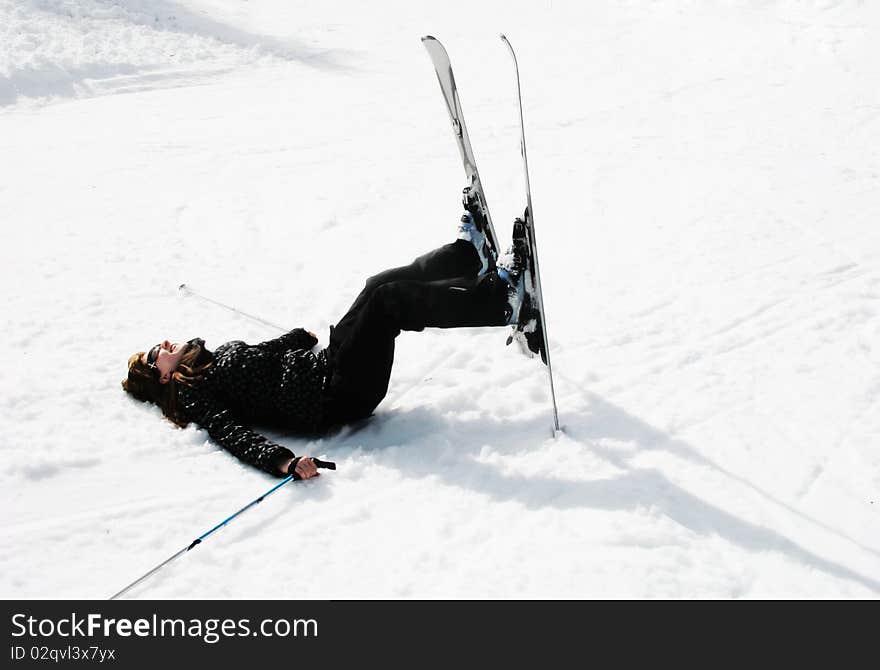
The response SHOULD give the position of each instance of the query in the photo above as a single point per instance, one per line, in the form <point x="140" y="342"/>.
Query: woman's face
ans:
<point x="165" y="356"/>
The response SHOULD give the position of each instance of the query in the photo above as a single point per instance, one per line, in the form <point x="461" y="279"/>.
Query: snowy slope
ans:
<point x="705" y="180"/>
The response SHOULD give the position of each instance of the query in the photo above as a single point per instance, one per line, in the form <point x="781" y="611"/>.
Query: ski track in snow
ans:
<point x="705" y="178"/>
<point x="98" y="47"/>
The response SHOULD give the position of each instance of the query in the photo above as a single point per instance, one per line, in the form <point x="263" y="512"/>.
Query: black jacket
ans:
<point x="279" y="382"/>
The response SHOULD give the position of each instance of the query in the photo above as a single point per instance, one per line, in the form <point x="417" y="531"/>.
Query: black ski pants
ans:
<point x="437" y="290"/>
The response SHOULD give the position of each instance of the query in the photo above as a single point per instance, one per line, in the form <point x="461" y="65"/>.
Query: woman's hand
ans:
<point x="305" y="467"/>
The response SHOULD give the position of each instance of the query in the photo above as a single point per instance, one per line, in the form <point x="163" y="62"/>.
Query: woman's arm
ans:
<point x="298" y="338"/>
<point x="227" y="431"/>
<point x="245" y="444"/>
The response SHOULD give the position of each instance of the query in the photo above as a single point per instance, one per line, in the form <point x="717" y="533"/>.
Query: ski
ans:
<point x="474" y="199"/>
<point x="531" y="331"/>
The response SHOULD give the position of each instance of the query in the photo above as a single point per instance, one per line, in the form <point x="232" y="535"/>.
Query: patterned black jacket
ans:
<point x="279" y="382"/>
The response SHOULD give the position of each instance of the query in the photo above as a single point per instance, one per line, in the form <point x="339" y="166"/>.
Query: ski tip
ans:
<point x="510" y="49"/>
<point x="183" y="288"/>
<point x="425" y="38"/>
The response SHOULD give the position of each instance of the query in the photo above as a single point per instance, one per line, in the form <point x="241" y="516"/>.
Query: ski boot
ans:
<point x="468" y="231"/>
<point x="515" y="268"/>
<point x="475" y="211"/>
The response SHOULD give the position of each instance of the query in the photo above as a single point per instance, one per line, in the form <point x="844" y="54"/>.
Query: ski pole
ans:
<point x="186" y="290"/>
<point x="318" y="463"/>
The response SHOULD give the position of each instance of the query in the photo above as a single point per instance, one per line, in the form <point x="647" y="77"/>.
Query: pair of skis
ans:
<point x="531" y="331"/>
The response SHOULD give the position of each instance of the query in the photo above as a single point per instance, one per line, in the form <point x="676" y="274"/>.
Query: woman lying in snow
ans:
<point x="283" y="382"/>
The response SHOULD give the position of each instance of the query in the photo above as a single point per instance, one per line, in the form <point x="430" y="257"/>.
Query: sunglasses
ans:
<point x="152" y="355"/>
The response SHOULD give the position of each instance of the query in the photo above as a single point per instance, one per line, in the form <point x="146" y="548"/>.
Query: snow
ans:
<point x="705" y="180"/>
